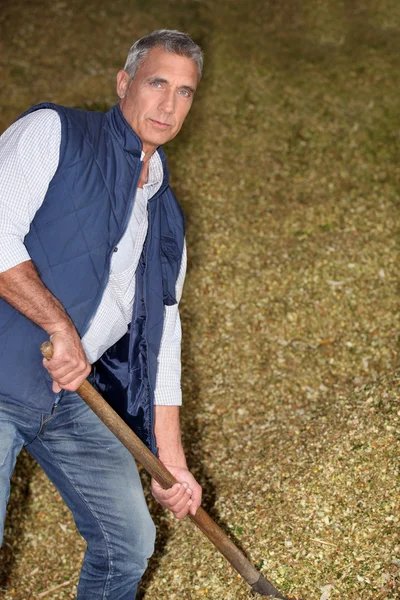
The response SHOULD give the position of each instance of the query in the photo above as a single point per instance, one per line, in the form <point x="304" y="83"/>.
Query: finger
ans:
<point x="194" y="508"/>
<point x="67" y="369"/>
<point x="178" y="506"/>
<point x="67" y="377"/>
<point x="70" y="382"/>
<point x="185" y="491"/>
<point x="166" y="494"/>
<point x="72" y="385"/>
<point x="196" y="499"/>
<point x="177" y="498"/>
<point x="73" y="379"/>
<point x="169" y="492"/>
<point x="56" y="387"/>
<point x="182" y="513"/>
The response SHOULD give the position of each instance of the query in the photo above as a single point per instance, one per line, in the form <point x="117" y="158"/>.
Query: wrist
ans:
<point x="173" y="459"/>
<point x="168" y="436"/>
<point x="62" y="327"/>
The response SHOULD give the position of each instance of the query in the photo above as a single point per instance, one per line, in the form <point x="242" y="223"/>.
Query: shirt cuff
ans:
<point x="12" y="252"/>
<point x="168" y="397"/>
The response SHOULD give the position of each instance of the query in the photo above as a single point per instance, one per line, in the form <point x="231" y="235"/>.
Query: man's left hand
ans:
<point x="182" y="497"/>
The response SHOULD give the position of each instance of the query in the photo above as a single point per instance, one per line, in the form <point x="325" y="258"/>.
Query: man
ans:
<point x="92" y="254"/>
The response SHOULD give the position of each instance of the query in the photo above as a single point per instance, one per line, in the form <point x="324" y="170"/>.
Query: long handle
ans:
<point x="156" y="469"/>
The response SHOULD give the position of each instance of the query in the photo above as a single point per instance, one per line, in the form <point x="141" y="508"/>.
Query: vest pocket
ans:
<point x="170" y="261"/>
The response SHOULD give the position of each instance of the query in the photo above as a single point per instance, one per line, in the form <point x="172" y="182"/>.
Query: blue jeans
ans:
<point x="99" y="481"/>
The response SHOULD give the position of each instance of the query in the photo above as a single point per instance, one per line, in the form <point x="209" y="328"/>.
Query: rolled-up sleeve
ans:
<point x="168" y="384"/>
<point x="29" y="155"/>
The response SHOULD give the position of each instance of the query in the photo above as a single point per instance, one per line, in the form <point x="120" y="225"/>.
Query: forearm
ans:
<point x="22" y="287"/>
<point x="168" y="435"/>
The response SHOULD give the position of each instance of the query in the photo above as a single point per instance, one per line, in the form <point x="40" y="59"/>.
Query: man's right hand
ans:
<point x="69" y="366"/>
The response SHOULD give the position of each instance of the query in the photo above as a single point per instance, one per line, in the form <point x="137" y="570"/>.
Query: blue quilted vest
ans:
<point x="71" y="240"/>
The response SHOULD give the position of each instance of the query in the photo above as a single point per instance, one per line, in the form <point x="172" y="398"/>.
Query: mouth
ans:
<point x="160" y="125"/>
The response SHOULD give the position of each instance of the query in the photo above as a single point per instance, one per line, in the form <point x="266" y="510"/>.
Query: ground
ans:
<point x="287" y="169"/>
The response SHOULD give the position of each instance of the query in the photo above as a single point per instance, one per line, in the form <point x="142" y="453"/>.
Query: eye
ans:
<point x="156" y="84"/>
<point x="184" y="93"/>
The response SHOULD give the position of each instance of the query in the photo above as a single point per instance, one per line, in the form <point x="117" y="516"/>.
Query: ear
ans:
<point x="122" y="83"/>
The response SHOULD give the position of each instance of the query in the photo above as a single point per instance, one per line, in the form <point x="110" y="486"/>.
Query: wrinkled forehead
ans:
<point x="170" y="67"/>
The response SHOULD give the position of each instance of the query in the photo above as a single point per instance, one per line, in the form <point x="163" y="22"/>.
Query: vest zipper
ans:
<point x="87" y="325"/>
<point x="153" y="442"/>
<point x="107" y="275"/>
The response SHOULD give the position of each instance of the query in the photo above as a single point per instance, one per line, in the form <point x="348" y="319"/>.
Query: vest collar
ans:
<point x="120" y="129"/>
<point x="123" y="132"/>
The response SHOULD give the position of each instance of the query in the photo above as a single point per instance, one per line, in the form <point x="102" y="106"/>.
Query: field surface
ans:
<point x="288" y="171"/>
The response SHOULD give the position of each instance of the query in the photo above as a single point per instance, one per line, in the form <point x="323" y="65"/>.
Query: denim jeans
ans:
<point x="99" y="481"/>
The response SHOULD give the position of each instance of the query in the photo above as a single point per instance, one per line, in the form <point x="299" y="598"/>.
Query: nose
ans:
<point x="167" y="104"/>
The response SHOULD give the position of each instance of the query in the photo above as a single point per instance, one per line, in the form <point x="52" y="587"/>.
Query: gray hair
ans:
<point x="169" y="40"/>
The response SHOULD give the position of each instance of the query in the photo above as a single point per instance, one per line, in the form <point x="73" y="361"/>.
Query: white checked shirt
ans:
<point x="29" y="156"/>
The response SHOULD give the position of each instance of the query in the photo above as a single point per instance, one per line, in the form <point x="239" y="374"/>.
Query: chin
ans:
<point x="162" y="139"/>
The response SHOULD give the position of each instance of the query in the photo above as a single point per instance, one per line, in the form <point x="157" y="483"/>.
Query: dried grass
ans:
<point x="288" y="172"/>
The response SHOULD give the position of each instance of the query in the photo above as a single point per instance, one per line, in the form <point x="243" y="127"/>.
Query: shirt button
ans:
<point x="116" y="249"/>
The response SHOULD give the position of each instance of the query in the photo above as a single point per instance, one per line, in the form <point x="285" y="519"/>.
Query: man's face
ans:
<point x="159" y="97"/>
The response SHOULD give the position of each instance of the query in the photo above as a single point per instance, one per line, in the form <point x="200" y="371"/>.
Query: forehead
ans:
<point x="172" y="67"/>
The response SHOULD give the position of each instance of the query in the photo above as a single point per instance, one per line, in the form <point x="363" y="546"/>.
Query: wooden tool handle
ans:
<point x="119" y="428"/>
<point x="156" y="469"/>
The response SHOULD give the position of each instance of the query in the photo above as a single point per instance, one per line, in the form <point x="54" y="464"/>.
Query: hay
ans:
<point x="288" y="172"/>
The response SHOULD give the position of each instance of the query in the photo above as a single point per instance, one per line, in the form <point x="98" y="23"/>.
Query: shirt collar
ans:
<point x="156" y="171"/>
